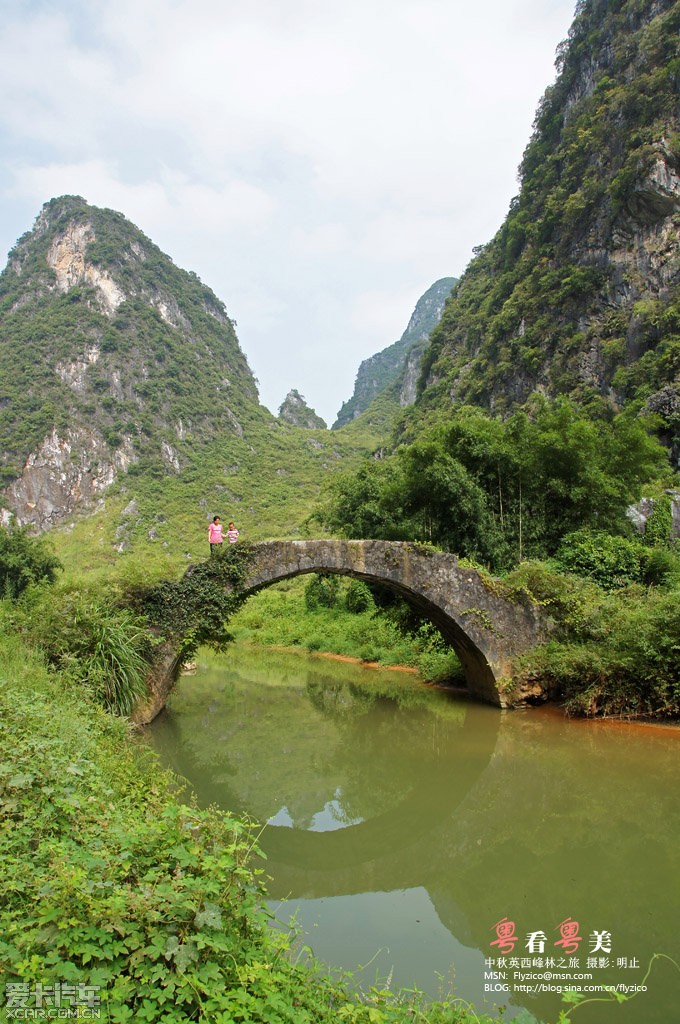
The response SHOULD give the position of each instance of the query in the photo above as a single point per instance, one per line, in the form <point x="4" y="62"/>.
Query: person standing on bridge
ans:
<point x="232" y="534"/>
<point x="215" y="536"/>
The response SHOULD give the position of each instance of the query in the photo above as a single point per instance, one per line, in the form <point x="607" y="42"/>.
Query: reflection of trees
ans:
<point x="337" y="700"/>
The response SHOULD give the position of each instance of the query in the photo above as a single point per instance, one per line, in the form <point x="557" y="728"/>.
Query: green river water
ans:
<point x="403" y="824"/>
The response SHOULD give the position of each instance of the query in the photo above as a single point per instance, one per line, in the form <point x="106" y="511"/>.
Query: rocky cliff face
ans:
<point x="399" y="362"/>
<point x="66" y="257"/>
<point x="109" y="356"/>
<point x="578" y="292"/>
<point x="294" y="410"/>
<point x="68" y="472"/>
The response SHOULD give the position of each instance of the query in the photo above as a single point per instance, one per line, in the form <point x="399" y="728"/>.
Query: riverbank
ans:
<point x="155" y="904"/>
<point x="330" y="656"/>
<point x="621" y="723"/>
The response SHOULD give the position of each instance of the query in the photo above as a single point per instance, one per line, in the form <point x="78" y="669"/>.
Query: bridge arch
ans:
<point x="485" y="628"/>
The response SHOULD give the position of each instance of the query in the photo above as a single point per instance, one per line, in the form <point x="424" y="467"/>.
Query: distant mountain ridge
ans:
<point x="294" y="410"/>
<point x="401" y="359"/>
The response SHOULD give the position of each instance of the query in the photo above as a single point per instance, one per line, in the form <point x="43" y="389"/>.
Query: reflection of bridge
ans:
<point x="486" y="629"/>
<point x="400" y="847"/>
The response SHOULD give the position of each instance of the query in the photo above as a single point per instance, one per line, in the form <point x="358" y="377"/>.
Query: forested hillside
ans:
<point x="577" y="294"/>
<point x="122" y="376"/>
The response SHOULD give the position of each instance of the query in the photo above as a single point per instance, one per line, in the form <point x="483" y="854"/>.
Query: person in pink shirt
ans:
<point x="215" y="536"/>
<point x="232" y="534"/>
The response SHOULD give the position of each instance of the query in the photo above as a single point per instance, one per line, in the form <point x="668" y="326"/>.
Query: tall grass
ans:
<point x="97" y="644"/>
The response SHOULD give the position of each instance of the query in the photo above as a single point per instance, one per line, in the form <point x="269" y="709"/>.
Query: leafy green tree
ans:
<point x="24" y="560"/>
<point x="442" y="502"/>
<point x="501" y="491"/>
<point x="366" y="503"/>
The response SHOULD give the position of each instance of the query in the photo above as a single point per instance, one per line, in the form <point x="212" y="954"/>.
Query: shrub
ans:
<point x="195" y="610"/>
<point x="100" y="646"/>
<point x="24" y="560"/>
<point x="322" y="592"/>
<point x="610" y="561"/>
<point x="661" y="567"/>
<point x="660" y="522"/>
<point x="617" y="654"/>
<point x="358" y="598"/>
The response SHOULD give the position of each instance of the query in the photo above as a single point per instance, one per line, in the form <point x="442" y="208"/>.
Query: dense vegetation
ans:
<point x="615" y="650"/>
<point x="500" y="490"/>
<point x="550" y="482"/>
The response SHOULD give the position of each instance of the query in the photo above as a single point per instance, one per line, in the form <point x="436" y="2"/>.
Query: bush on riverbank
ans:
<point x="615" y="652"/>
<point x="153" y="901"/>
<point x="83" y="631"/>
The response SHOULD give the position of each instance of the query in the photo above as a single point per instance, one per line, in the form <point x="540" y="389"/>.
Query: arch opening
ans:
<point x="472" y="659"/>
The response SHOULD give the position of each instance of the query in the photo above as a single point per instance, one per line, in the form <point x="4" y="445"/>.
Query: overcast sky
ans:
<point x="318" y="163"/>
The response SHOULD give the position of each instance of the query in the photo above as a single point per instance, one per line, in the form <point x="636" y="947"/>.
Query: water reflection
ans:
<point x="407" y="823"/>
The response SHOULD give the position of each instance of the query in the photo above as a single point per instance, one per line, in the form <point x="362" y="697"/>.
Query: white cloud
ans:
<point x="300" y="157"/>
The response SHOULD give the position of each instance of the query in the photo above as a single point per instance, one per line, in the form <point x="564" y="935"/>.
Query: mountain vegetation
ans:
<point x="577" y="293"/>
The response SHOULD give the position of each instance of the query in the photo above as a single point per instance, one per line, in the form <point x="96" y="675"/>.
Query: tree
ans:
<point x="24" y="560"/>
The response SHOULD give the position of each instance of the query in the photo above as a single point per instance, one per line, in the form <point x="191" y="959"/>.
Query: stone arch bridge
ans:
<point x="484" y="626"/>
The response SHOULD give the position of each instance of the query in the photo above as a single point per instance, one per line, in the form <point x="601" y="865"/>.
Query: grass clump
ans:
<point x="100" y="646"/>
